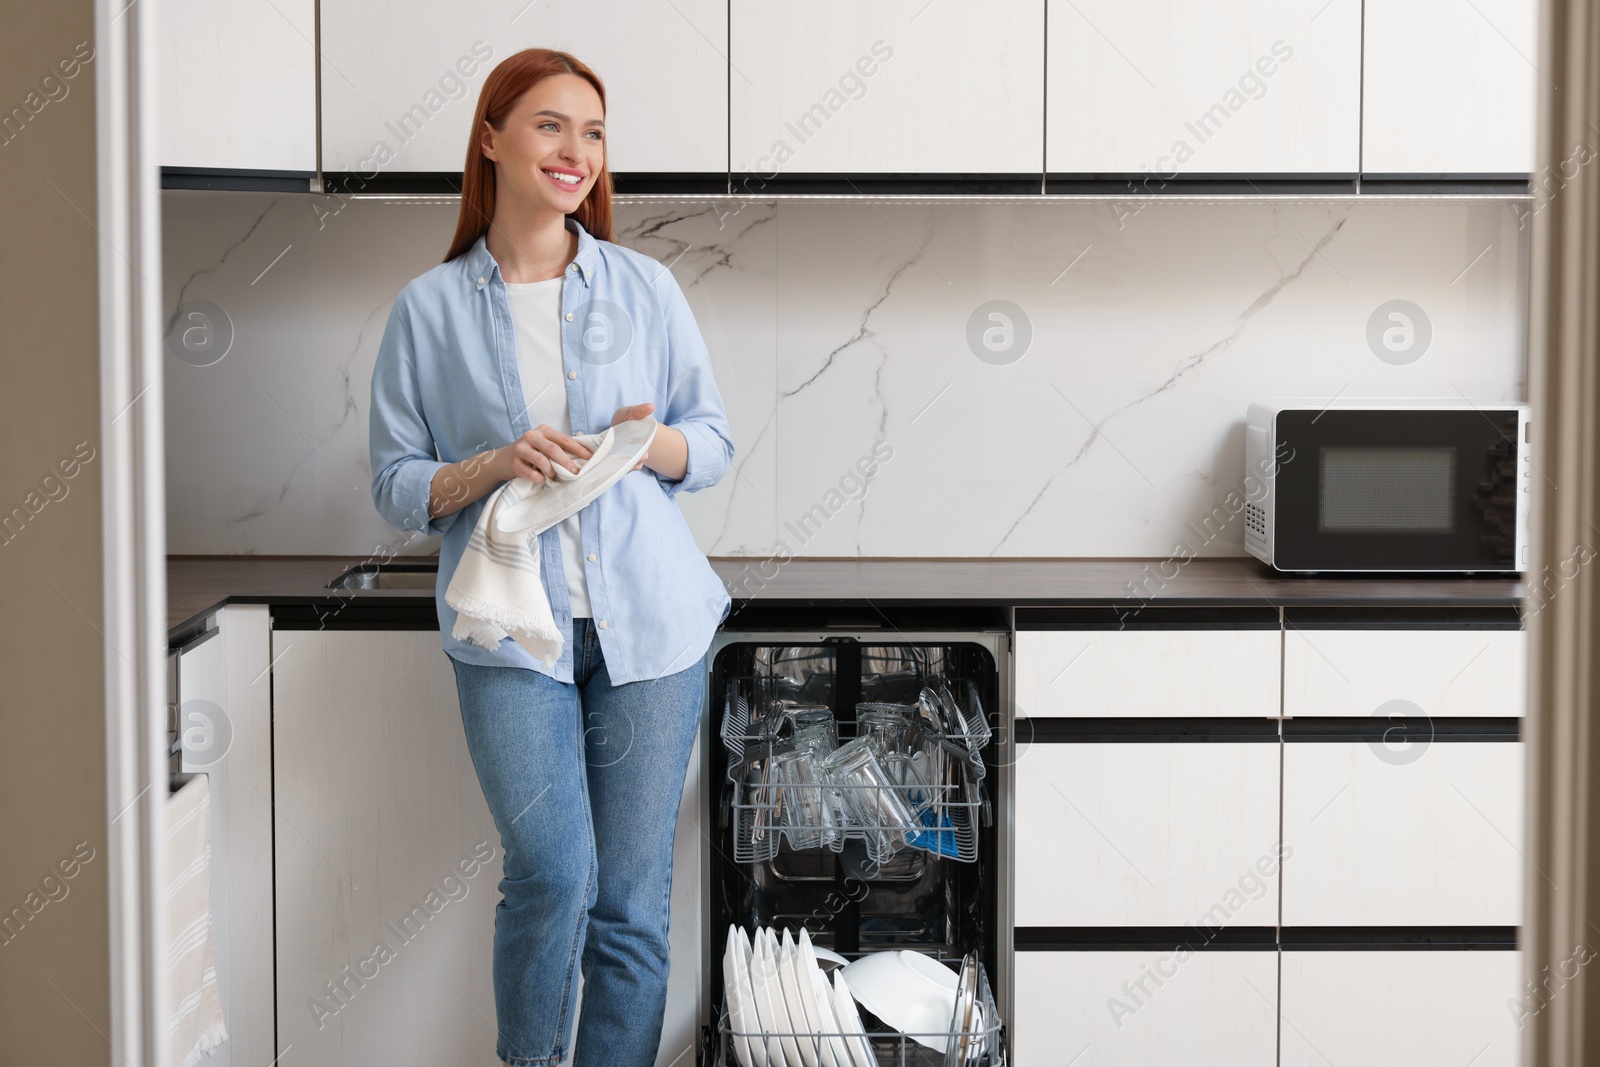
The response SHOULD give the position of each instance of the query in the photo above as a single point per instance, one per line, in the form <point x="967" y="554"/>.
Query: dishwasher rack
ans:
<point x="947" y="812"/>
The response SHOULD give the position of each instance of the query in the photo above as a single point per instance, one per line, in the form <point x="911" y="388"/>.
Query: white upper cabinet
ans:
<point x="400" y="78"/>
<point x="1451" y="88"/>
<point x="237" y="85"/>
<point x="1175" y="87"/>
<point x="896" y="86"/>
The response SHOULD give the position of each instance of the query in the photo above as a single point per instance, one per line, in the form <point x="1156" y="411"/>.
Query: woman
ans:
<point x="536" y="328"/>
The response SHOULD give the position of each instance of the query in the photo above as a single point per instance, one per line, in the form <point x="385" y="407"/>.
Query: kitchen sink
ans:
<point x="397" y="574"/>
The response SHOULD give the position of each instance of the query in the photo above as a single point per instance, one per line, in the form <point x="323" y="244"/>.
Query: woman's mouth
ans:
<point x="565" y="181"/>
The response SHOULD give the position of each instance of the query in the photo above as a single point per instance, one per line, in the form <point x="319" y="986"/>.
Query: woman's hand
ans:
<point x="634" y="411"/>
<point x="531" y="456"/>
<point x="534" y="454"/>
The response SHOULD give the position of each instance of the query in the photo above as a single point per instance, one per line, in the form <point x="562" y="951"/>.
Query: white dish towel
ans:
<point x="495" y="588"/>
<point x="196" y="1027"/>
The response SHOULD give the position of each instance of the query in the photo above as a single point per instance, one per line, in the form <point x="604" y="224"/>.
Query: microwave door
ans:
<point x="1407" y="490"/>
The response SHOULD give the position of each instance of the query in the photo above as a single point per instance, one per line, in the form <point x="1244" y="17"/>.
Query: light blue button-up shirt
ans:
<point x="446" y="387"/>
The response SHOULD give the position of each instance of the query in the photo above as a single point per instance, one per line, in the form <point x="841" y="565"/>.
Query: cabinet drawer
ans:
<point x="1442" y="672"/>
<point x="1097" y="1009"/>
<point x="1398" y="1009"/>
<point x="1147" y="834"/>
<point x="1376" y="842"/>
<point x="1147" y="673"/>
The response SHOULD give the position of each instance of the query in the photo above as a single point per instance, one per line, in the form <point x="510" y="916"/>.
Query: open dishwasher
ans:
<point x="856" y="789"/>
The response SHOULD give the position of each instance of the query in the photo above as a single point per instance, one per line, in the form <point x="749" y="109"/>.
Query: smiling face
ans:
<point x="551" y="147"/>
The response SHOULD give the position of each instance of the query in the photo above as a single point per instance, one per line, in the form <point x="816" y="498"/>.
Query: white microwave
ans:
<point x="1388" y="485"/>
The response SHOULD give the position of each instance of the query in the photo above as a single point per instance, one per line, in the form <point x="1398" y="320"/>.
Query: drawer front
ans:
<point x="1147" y="834"/>
<point x="1373" y="841"/>
<point x="1147" y="673"/>
<point x="1100" y="1009"/>
<point x="1400" y="1009"/>
<point x="1442" y="672"/>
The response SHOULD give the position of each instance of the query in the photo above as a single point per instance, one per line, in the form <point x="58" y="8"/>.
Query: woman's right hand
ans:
<point x="533" y="455"/>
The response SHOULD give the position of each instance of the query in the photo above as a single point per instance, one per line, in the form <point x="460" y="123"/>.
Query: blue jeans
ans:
<point x="584" y="781"/>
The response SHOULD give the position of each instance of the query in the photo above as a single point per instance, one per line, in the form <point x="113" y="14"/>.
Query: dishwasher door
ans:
<point x="944" y="902"/>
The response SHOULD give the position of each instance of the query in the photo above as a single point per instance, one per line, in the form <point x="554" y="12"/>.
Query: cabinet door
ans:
<point x="236" y="85"/>
<point x="1440" y="672"/>
<point x="1399" y="1009"/>
<point x="1147" y="834"/>
<point x="225" y="722"/>
<point x="400" y="78"/>
<point x="1426" y="836"/>
<point x="899" y="86"/>
<point x="1450" y="88"/>
<point x="1103" y="1009"/>
<point x="1230" y="86"/>
<point x="1147" y="673"/>
<point x="377" y="803"/>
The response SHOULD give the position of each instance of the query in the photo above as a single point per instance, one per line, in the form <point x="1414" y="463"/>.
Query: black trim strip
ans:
<point x="351" y="611"/>
<point x="1390" y="938"/>
<point x="890" y="617"/>
<point x="755" y="185"/>
<point x="1399" y="730"/>
<point x="1368" y="617"/>
<point x="1145" y="185"/>
<point x="1142" y="938"/>
<point x="237" y="180"/>
<point x="1086" y="731"/>
<point x="397" y="183"/>
<point x="1143" y="615"/>
<point x="1261" y="938"/>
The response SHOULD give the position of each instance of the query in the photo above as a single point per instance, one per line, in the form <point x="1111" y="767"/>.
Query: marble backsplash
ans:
<point x="849" y="336"/>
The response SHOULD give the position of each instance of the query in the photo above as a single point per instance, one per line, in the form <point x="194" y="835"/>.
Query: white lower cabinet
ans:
<point x="1112" y="1009"/>
<point x="1428" y="835"/>
<point x="1401" y="1009"/>
<point x="225" y="723"/>
<point x="1379" y="672"/>
<point x="1138" y="673"/>
<point x="1148" y="833"/>
<point x="388" y="862"/>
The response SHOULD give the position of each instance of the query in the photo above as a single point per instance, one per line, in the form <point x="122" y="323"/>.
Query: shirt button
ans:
<point x="569" y="316"/>
<point x="602" y="624"/>
<point x="572" y="374"/>
<point x="592" y="557"/>
<point x="481" y="281"/>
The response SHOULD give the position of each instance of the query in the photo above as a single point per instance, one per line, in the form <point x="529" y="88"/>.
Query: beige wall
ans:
<point x="54" y="987"/>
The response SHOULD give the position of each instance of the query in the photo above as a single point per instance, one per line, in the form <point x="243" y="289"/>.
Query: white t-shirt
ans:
<point x="536" y="320"/>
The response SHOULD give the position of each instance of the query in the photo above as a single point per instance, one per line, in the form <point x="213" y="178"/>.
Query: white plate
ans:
<point x="800" y="1020"/>
<point x="814" y="992"/>
<point x="741" y="1002"/>
<point x="844" y="1008"/>
<point x="827" y="955"/>
<point x="789" y="1021"/>
<point x="914" y="993"/>
<point x="768" y="1001"/>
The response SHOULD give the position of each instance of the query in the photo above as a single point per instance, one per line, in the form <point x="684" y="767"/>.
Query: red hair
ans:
<point x="501" y="90"/>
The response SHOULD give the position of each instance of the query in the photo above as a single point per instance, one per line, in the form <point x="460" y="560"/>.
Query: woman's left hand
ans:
<point x="634" y="411"/>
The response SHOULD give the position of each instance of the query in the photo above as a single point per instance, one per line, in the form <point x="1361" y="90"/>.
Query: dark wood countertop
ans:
<point x="197" y="585"/>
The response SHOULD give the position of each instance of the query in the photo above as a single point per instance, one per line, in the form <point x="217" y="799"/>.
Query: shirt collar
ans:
<point x="481" y="266"/>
